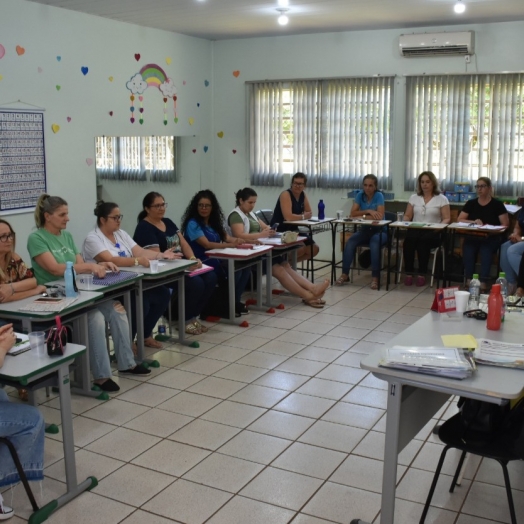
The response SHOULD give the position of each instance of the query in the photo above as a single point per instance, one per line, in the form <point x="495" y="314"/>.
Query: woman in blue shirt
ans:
<point x="369" y="204"/>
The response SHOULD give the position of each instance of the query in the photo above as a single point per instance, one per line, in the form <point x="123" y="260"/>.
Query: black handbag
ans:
<point x="57" y="339"/>
<point x="481" y="420"/>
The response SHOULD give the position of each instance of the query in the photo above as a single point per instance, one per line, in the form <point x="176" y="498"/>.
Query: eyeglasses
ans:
<point x="117" y="218"/>
<point x="204" y="206"/>
<point x="480" y="186"/>
<point x="7" y="237"/>
<point x="299" y="184"/>
<point x="159" y="206"/>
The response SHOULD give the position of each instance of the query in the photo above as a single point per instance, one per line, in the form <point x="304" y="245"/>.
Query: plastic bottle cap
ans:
<point x="502" y="274"/>
<point x="476" y="276"/>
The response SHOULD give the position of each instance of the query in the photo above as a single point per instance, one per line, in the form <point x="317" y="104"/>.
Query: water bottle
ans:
<point x="474" y="292"/>
<point x="494" y="308"/>
<point x="321" y="208"/>
<point x="503" y="291"/>
<point x="70" y="284"/>
<point x="162" y="326"/>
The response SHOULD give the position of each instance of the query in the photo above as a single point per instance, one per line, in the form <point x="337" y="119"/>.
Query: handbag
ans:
<point x="57" y="339"/>
<point x="289" y="237"/>
<point x="481" y="420"/>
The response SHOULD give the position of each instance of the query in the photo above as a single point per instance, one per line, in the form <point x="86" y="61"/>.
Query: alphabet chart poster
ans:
<point x="22" y="159"/>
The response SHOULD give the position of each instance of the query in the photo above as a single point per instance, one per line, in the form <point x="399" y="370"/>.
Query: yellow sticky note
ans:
<point x="459" y="341"/>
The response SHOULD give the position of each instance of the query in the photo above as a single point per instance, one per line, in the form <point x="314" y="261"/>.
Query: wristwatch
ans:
<point x="136" y="262"/>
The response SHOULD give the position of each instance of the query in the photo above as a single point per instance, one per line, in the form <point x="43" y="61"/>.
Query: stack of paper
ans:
<point x="446" y="362"/>
<point x="496" y="353"/>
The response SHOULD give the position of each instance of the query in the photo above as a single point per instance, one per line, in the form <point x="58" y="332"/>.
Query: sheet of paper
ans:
<point x="459" y="341"/>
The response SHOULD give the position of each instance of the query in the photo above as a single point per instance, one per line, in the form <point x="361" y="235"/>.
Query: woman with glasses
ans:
<point x="427" y="206"/>
<point x="157" y="233"/>
<point x="108" y="243"/>
<point x="50" y="247"/>
<point x="16" y="280"/>
<point x="293" y="204"/>
<point x="368" y="203"/>
<point x="480" y="211"/>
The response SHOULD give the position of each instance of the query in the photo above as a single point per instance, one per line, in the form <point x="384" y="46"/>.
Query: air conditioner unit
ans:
<point x="437" y="44"/>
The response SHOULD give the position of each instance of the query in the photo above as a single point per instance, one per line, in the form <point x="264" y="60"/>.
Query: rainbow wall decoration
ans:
<point x="151" y="75"/>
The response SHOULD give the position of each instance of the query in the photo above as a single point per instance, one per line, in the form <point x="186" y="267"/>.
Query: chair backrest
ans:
<point x="389" y="215"/>
<point x="265" y="215"/>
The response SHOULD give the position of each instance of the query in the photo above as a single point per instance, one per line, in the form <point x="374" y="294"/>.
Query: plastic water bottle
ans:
<point x="321" y="210"/>
<point x="162" y="326"/>
<point x="494" y="308"/>
<point x="503" y="291"/>
<point x="474" y="292"/>
<point x="70" y="284"/>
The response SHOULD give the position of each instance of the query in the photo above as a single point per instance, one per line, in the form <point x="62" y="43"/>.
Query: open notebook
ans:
<point x="22" y="344"/>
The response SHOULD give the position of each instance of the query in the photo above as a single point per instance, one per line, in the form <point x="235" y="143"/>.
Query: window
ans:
<point x="136" y="158"/>
<point x="335" y="131"/>
<point x="462" y="127"/>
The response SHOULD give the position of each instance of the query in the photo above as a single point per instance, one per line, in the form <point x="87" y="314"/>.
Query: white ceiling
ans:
<point x="224" y="19"/>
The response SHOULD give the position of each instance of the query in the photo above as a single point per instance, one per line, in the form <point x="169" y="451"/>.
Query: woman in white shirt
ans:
<point x="108" y="243"/>
<point x="427" y="206"/>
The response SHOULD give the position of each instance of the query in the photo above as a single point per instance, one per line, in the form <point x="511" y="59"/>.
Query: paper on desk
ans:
<point x="498" y="353"/>
<point x="459" y="341"/>
<point x="511" y="208"/>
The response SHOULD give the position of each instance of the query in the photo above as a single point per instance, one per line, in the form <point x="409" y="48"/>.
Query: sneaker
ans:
<point x="139" y="369"/>
<point x="408" y="281"/>
<point x="5" y="511"/>
<point x="421" y="281"/>
<point x="241" y="308"/>
<point x="109" y="385"/>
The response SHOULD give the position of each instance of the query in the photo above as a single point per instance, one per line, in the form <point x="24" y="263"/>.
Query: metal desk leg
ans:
<point x="333" y="260"/>
<point x="139" y="306"/>
<point x="231" y="288"/>
<point x="269" y="271"/>
<point x="259" y="282"/>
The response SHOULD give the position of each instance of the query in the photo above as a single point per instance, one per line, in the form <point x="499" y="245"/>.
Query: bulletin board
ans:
<point x="22" y="159"/>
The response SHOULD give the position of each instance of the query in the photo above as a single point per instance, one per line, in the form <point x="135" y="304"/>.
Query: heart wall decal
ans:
<point x="55" y="128"/>
<point x="20" y="50"/>
<point x="89" y="161"/>
<point x="84" y="70"/>
<point x="236" y="74"/>
<point x="137" y="56"/>
<point x="220" y="134"/>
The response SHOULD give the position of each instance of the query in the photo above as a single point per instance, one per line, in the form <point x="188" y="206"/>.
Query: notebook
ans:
<point x="22" y="344"/>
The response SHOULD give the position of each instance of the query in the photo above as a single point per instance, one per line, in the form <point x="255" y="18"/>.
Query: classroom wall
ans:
<point x="357" y="53"/>
<point x="57" y="43"/>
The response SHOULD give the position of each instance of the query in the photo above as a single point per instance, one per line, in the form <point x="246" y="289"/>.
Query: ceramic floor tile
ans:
<point x="342" y="344"/>
<point x="79" y="404"/>
<point x="333" y="436"/>
<point x="365" y="347"/>
<point x="87" y="430"/>
<point x="240" y="373"/>
<point x="349" y="332"/>
<point x="53" y="451"/>
<point x="177" y="379"/>
<point x="299" y="337"/>
<point x="376" y="398"/>
<point x="187" y="502"/>
<point x="280" y="380"/>
<point x="243" y="510"/>
<point x="308" y="519"/>
<point x="342" y="504"/>
<point x="204" y="366"/>
<point x="259" y="396"/>
<point x="311" y="326"/>
<point x="171" y="458"/>
<point x="204" y="434"/>
<point x="123" y="444"/>
<point x="216" y="387"/>
<point x="246" y="341"/>
<point x="263" y="331"/>
<point x="234" y="414"/>
<point x="255" y="447"/>
<point x="318" y="387"/>
<point x="378" y="336"/>
<point x="300" y="366"/>
<point x="148" y="395"/>
<point x="390" y="327"/>
<point x="372" y="315"/>
<point x="349" y="359"/>
<point x="284" y="425"/>
<point x="491" y="473"/>
<point x="282" y="488"/>
<point x="346" y="374"/>
<point x="470" y="519"/>
<point x="189" y="404"/>
<point x="373" y="382"/>
<point x="158" y="422"/>
<point x="361" y="323"/>
<point x="352" y="415"/>
<point x="226" y="353"/>
<point x="406" y="511"/>
<point x="115" y="411"/>
<point x="304" y="405"/>
<point x="132" y="485"/>
<point x="319" y="354"/>
<point x="297" y="314"/>
<point x="143" y="517"/>
<point x="224" y="472"/>
<point x="283" y="323"/>
<point x="263" y="360"/>
<point x="329" y="319"/>
<point x="277" y="347"/>
<point x="309" y="460"/>
<point x="170" y="359"/>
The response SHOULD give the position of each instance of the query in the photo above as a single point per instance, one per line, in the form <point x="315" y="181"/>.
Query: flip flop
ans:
<point x="313" y="303"/>
<point x="152" y="343"/>
<point x="341" y="280"/>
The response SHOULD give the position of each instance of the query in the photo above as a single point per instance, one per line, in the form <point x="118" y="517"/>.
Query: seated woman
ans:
<point x="369" y="203"/>
<point x="50" y="247"/>
<point x="107" y="243"/>
<point x="24" y="426"/>
<point x="293" y="204"/>
<point x="203" y="224"/>
<point x="482" y="210"/>
<point x="427" y="206"/>
<point x="511" y="253"/>
<point x="246" y="226"/>
<point x="16" y="280"/>
<point x="157" y="233"/>
<point x="520" y="279"/>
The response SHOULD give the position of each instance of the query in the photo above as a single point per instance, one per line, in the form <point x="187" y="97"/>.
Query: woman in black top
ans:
<point x="293" y="204"/>
<point x="480" y="211"/>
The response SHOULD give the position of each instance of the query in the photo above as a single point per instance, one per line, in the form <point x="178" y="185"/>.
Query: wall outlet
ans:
<point x="467" y="58"/>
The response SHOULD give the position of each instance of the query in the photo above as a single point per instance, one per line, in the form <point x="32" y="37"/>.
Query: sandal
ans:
<point x="314" y="302"/>
<point x="374" y="285"/>
<point x="150" y="342"/>
<point x="193" y="329"/>
<point x="203" y="329"/>
<point x="341" y="280"/>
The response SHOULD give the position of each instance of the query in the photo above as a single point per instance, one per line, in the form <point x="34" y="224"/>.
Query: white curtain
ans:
<point x="462" y="127"/>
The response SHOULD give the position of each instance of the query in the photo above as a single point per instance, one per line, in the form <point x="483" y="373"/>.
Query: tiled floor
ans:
<point x="269" y="424"/>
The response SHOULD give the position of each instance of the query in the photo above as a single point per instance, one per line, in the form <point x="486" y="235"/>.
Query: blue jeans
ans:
<point x="510" y="256"/>
<point x="486" y="246"/>
<point x="198" y="291"/>
<point x="155" y="302"/>
<point x="364" y="237"/>
<point x="24" y="426"/>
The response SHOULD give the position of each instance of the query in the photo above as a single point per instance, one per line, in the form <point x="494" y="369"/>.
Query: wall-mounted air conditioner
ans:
<point x="437" y="44"/>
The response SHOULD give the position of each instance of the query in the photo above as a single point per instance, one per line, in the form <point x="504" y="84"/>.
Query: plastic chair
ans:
<point x="451" y="433"/>
<point x="265" y="215"/>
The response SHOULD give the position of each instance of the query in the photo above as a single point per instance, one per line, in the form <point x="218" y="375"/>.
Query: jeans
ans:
<point x="24" y="426"/>
<point x="155" y="302"/>
<point x="242" y="277"/>
<point x="486" y="246"/>
<point x="364" y="237"/>
<point x="198" y="291"/>
<point x="421" y="243"/>
<point x="119" y="327"/>
<point x="510" y="256"/>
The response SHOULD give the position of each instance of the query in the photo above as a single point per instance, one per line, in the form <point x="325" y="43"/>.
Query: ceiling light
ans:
<point x="283" y="19"/>
<point x="283" y="3"/>
<point x="459" y="7"/>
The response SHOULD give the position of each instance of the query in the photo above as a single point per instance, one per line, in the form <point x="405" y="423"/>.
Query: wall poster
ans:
<point x="22" y="159"/>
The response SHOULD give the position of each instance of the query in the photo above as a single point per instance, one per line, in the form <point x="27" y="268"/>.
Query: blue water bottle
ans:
<point x="321" y="208"/>
<point x="69" y="277"/>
